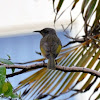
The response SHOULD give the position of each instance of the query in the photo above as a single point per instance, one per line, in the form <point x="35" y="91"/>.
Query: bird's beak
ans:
<point x="37" y="31"/>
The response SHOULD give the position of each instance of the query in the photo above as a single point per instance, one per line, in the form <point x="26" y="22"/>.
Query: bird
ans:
<point x="50" y="46"/>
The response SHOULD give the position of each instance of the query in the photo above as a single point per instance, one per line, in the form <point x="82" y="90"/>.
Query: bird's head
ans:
<point x="47" y="31"/>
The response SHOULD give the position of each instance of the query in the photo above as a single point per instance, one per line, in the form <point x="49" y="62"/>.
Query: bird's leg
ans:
<point x="56" y="62"/>
<point x="43" y="61"/>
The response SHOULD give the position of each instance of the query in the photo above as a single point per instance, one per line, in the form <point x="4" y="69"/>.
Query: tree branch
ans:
<point x="58" y="67"/>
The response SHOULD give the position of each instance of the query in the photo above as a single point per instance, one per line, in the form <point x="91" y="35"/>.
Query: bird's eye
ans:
<point x="45" y="31"/>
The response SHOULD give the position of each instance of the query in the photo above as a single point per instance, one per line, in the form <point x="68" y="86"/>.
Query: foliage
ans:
<point x="5" y="61"/>
<point x="42" y="83"/>
<point x="6" y="89"/>
<point x="86" y="54"/>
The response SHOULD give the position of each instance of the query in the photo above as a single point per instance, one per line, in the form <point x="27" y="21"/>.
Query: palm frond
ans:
<point x="51" y="83"/>
<point x="45" y="81"/>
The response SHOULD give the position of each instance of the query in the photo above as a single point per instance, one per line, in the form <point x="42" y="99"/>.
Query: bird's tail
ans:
<point x="51" y="63"/>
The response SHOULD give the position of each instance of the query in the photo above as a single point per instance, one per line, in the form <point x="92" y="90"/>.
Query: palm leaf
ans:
<point x="56" y="82"/>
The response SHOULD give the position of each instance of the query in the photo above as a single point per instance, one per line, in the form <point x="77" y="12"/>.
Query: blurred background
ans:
<point x="18" y="20"/>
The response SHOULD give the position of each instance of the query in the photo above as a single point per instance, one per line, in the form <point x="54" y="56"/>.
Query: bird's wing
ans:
<point x="50" y="46"/>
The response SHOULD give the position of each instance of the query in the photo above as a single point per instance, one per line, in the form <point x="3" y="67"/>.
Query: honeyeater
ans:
<point x="50" y="46"/>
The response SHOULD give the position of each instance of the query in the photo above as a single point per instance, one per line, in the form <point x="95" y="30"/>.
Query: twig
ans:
<point x="16" y="73"/>
<point x="79" y="40"/>
<point x="71" y="42"/>
<point x="58" y="67"/>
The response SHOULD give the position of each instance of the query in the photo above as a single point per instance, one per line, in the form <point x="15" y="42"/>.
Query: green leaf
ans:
<point x="2" y="81"/>
<point x="14" y="96"/>
<point x="2" y="70"/>
<point x="19" y="96"/>
<point x="97" y="18"/>
<point x="59" y="5"/>
<point x="53" y="4"/>
<point x="2" y="74"/>
<point x="98" y="97"/>
<point x="13" y="70"/>
<point x="5" y="87"/>
<point x="90" y="9"/>
<point x="9" y="57"/>
<point x="75" y="2"/>
<point x="5" y="61"/>
<point x="84" y="4"/>
<point x="7" y="90"/>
